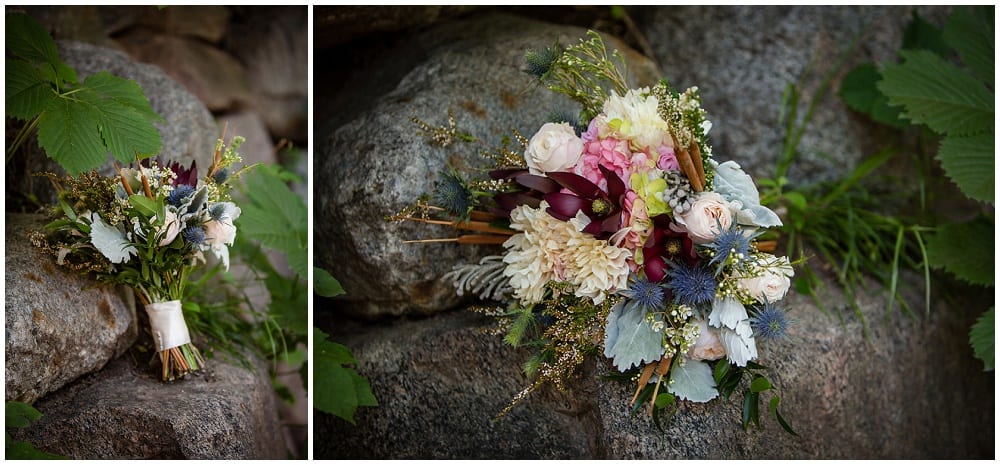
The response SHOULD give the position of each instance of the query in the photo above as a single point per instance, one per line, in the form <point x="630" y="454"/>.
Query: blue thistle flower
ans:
<point x="567" y="116"/>
<point x="177" y="196"/>
<point x="691" y="285"/>
<point x="451" y="194"/>
<point x="217" y="211"/>
<point x="540" y="61"/>
<point x="769" y="323"/>
<point x="221" y="176"/>
<point x="194" y="235"/>
<point x="647" y="295"/>
<point x="730" y="243"/>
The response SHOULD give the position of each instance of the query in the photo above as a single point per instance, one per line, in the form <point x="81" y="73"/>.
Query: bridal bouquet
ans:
<point x="149" y="227"/>
<point x="622" y="237"/>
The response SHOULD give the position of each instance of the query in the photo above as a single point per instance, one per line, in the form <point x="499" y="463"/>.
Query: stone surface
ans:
<point x="188" y="133"/>
<point x="59" y="325"/>
<point x="439" y="383"/>
<point x="214" y="76"/>
<point x="912" y="391"/>
<point x="743" y="57"/>
<point x="272" y="43"/>
<point x="203" y="22"/>
<point x="376" y="163"/>
<point x="124" y="412"/>
<point x="336" y="25"/>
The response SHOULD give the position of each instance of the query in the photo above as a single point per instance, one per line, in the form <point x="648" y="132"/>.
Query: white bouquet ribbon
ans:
<point x="167" y="323"/>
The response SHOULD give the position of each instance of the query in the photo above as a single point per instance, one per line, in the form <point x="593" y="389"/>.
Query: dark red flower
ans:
<point x="603" y="208"/>
<point x="530" y="190"/>
<point x="665" y="246"/>
<point x="186" y="177"/>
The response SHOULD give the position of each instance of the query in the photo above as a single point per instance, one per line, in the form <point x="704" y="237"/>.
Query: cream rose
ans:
<point x="774" y="280"/>
<point x="708" y="346"/>
<point x="220" y="229"/>
<point x="171" y="227"/>
<point x="702" y="221"/>
<point x="555" y="147"/>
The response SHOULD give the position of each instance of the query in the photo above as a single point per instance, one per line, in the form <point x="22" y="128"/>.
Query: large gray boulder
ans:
<point x="59" y="324"/>
<point x="911" y="390"/>
<point x="374" y="162"/>
<point x="742" y="58"/>
<point x="125" y="412"/>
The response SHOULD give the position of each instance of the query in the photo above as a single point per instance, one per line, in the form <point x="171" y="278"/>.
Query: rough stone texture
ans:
<point x="214" y="76"/>
<point x="204" y="22"/>
<point x="743" y="57"/>
<point x="376" y="163"/>
<point x="339" y="24"/>
<point x="124" y="412"/>
<point x="188" y="133"/>
<point x="272" y="43"/>
<point x="439" y="383"/>
<point x="59" y="325"/>
<point x="913" y="392"/>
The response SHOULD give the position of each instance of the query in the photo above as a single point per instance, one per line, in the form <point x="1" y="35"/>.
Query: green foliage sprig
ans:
<point x="583" y="72"/>
<point x="955" y="103"/>
<point x="21" y="415"/>
<point x="78" y="123"/>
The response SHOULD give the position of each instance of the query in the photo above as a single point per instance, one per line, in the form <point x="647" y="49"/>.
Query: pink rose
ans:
<point x="708" y="346"/>
<point x="554" y="147"/>
<point x="703" y="220"/>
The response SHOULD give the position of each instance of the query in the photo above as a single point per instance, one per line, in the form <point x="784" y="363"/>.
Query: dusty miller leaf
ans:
<point x="692" y="380"/>
<point x="938" y="94"/>
<point x="969" y="162"/>
<point x="629" y="339"/>
<point x="983" y="338"/>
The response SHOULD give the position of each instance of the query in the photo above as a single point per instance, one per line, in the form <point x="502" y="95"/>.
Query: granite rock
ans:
<point x="375" y="162"/>
<point x="125" y="412"/>
<point x="59" y="324"/>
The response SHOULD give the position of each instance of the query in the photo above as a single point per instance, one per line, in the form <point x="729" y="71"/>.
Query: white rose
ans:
<point x="220" y="229"/>
<point x="555" y="147"/>
<point x="170" y="229"/>
<point x="701" y="222"/>
<point x="708" y="346"/>
<point x="774" y="280"/>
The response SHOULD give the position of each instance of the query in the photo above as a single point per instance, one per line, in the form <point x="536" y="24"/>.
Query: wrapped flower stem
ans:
<point x="173" y="342"/>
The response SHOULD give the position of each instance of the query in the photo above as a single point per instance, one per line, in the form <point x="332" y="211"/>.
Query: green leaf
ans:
<point x="971" y="33"/>
<point x="665" y="399"/>
<point x="921" y="35"/>
<point x="338" y="390"/>
<point x="123" y="92"/>
<point x="69" y="134"/>
<point x="126" y="132"/>
<point x="721" y="369"/>
<point x="19" y="414"/>
<point x="27" y="39"/>
<point x="24" y="450"/>
<point x="759" y="384"/>
<point x="969" y="162"/>
<point x="325" y="284"/>
<point x="751" y="409"/>
<point x="965" y="250"/>
<point x="938" y="94"/>
<point x="983" y="338"/>
<point x="275" y="216"/>
<point x="145" y="206"/>
<point x="777" y="415"/>
<point x="519" y="327"/>
<point x="859" y="92"/>
<point x="27" y="93"/>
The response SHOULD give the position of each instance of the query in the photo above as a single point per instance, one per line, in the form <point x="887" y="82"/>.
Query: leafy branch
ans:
<point x="78" y="123"/>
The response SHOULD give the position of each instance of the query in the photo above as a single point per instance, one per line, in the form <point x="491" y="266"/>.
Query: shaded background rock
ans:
<point x="123" y="411"/>
<point x="375" y="163"/>
<point x="743" y="57"/>
<point x="59" y="325"/>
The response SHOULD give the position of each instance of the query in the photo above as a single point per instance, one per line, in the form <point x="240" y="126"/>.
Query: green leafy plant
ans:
<point x="21" y="415"/>
<point x="78" y="123"/>
<point x="338" y="388"/>
<point x="956" y="104"/>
